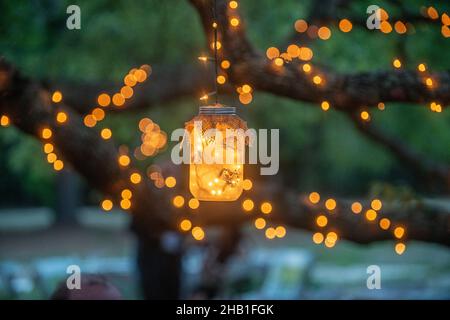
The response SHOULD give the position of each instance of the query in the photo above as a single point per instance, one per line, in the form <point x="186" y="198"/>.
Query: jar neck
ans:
<point x="216" y="110"/>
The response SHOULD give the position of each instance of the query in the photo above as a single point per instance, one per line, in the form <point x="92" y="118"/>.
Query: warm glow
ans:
<point x="48" y="148"/>
<point x="399" y="232"/>
<point x="106" y="133"/>
<point x="248" y="205"/>
<point x="118" y="99"/>
<point x="124" y="160"/>
<point x="233" y="4"/>
<point x="246" y="88"/>
<point x="397" y="63"/>
<point x="51" y="157"/>
<point x="400" y="27"/>
<point x="104" y="100"/>
<point x="280" y="231"/>
<point x="198" y="233"/>
<point x="432" y="13"/>
<point x="218" y="45"/>
<point x="4" y="121"/>
<point x="301" y="25"/>
<point x="330" y="204"/>
<point x="317" y="80"/>
<point x="127" y="92"/>
<point x="125" y="204"/>
<point x="314" y="197"/>
<point x="365" y="115"/>
<point x="400" y="248"/>
<point x="345" y="25"/>
<point x="272" y="53"/>
<point x="135" y="178"/>
<point x="247" y="184"/>
<point x="305" y="54"/>
<point x="193" y="203"/>
<point x="234" y="22"/>
<point x="57" y="96"/>
<point x="266" y="208"/>
<point x="385" y="223"/>
<point x="381" y="106"/>
<point x="279" y="62"/>
<point x="376" y="204"/>
<point x="270" y="233"/>
<point x="356" y="207"/>
<point x="46" y="133"/>
<point x="321" y="221"/>
<point x="306" y="68"/>
<point x="178" y="201"/>
<point x="126" y="194"/>
<point x="260" y="223"/>
<point x="324" y="33"/>
<point x="385" y="27"/>
<point x="221" y="79"/>
<point x="58" y="165"/>
<point x="421" y="67"/>
<point x="325" y="105"/>
<point x="186" y="225"/>
<point x="371" y="215"/>
<point x="170" y="182"/>
<point x="61" y="117"/>
<point x="429" y="82"/>
<point x="293" y="50"/>
<point x="98" y="114"/>
<point x="225" y="64"/>
<point x="332" y="236"/>
<point x="89" y="121"/>
<point x="317" y="238"/>
<point x="246" y="98"/>
<point x="107" y="205"/>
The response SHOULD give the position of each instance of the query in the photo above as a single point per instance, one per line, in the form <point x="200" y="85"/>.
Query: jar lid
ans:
<point x="217" y="110"/>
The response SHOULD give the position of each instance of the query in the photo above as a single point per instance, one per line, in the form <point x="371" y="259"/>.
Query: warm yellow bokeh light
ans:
<point x="185" y="225"/>
<point x="178" y="201"/>
<point x="57" y="96"/>
<point x="314" y="197"/>
<point x="330" y="204"/>
<point x="293" y="50"/>
<point x="272" y="53"/>
<point x="48" y="148"/>
<point x="245" y="98"/>
<point x="51" y="157"/>
<point x="106" y="133"/>
<point x="324" y="33"/>
<point x="385" y="223"/>
<point x="247" y="184"/>
<point x="118" y="99"/>
<point x="4" y="121"/>
<point x="104" y="100"/>
<point x="225" y="64"/>
<point x="317" y="80"/>
<point x="61" y="117"/>
<point x="246" y="88"/>
<point x="125" y="204"/>
<point x="170" y="182"/>
<point x="432" y="13"/>
<point x="107" y="205"/>
<point x="306" y="68"/>
<point x="400" y="248"/>
<point x="365" y="115"/>
<point x="135" y="178"/>
<point x="266" y="207"/>
<point x="279" y="62"/>
<point x="356" y="207"/>
<point x="371" y="215"/>
<point x="233" y="4"/>
<point x="89" y="121"/>
<point x="198" y="233"/>
<point x="126" y="194"/>
<point x="397" y="63"/>
<point x="98" y="114"/>
<point x="124" y="160"/>
<point x="221" y="79"/>
<point x="400" y="27"/>
<point x="422" y="67"/>
<point x="260" y="223"/>
<point x="301" y="25"/>
<point x="325" y="105"/>
<point x="193" y="203"/>
<point x="322" y="221"/>
<point x="399" y="232"/>
<point x="248" y="205"/>
<point x="345" y="25"/>
<point x="280" y="231"/>
<point x="385" y="27"/>
<point x="317" y="238"/>
<point x="381" y="106"/>
<point x="46" y="133"/>
<point x="429" y="82"/>
<point x="376" y="204"/>
<point x="58" y="165"/>
<point x="270" y="233"/>
<point x="305" y="54"/>
<point x="127" y="92"/>
<point x="234" y="22"/>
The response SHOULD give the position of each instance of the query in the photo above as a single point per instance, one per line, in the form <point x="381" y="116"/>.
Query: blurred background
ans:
<point x="49" y="220"/>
